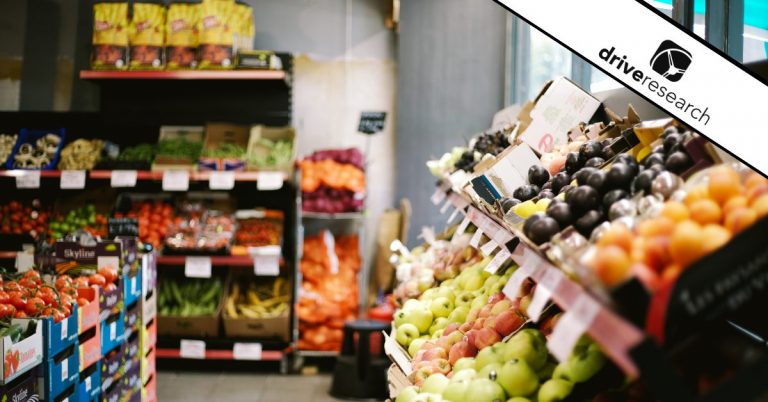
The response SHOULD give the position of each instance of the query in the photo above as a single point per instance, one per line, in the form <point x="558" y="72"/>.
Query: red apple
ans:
<point x="490" y="322"/>
<point x="446" y="341"/>
<point x="470" y="336"/>
<point x="421" y="374"/>
<point x="464" y="328"/>
<point x="450" y="328"/>
<point x="486" y="337"/>
<point x="485" y="311"/>
<point x="508" y="322"/>
<point x="549" y="323"/>
<point x="435" y="353"/>
<point x="496" y="297"/>
<point x="440" y="366"/>
<point x="479" y="323"/>
<point x="461" y="349"/>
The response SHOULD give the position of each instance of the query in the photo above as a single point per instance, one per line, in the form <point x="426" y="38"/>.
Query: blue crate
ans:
<point x="89" y="386"/>
<point x="58" y="376"/>
<point x="31" y="136"/>
<point x="112" y="332"/>
<point x="58" y="336"/>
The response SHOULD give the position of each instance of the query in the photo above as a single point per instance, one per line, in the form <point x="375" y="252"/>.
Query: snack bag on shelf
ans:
<point x="147" y="36"/>
<point x="245" y="30"/>
<point x="216" y="33"/>
<point x="181" y="34"/>
<point x="110" y="36"/>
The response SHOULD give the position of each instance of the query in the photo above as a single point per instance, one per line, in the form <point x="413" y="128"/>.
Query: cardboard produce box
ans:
<point x="243" y="326"/>
<point x="258" y="150"/>
<point x="189" y="135"/>
<point x="193" y="326"/>
<point x="221" y="139"/>
<point x="21" y="356"/>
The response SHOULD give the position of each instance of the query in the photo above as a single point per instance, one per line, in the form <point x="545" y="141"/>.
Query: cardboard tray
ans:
<point x="261" y="328"/>
<point x="148" y="366"/>
<point x="21" y="389"/>
<point x="271" y="133"/>
<point x="112" y="332"/>
<point x="88" y="388"/>
<point x="148" y="337"/>
<point x="90" y="347"/>
<point x="57" y="375"/>
<point x="191" y="133"/>
<point x="58" y="336"/>
<point x="112" y="368"/>
<point x="217" y="134"/>
<point x="88" y="315"/>
<point x="198" y="326"/>
<point x="28" y="351"/>
<point x="149" y="390"/>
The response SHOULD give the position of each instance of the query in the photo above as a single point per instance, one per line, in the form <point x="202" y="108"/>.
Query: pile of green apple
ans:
<point x="519" y="370"/>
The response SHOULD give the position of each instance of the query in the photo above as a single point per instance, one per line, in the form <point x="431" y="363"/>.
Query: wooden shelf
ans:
<point x="184" y="75"/>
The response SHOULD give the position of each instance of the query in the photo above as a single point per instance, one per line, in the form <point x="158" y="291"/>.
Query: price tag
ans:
<point x="72" y="179"/>
<point x="453" y="216"/>
<point x="266" y="260"/>
<point x="64" y="370"/>
<point x="87" y="384"/>
<point x="64" y="328"/>
<point x="498" y="260"/>
<point x="27" y="179"/>
<point x="512" y="288"/>
<point x="175" y="180"/>
<point x="247" y="351"/>
<point x="197" y="267"/>
<point x="113" y="331"/>
<point x="123" y="178"/>
<point x="221" y="180"/>
<point x="133" y="285"/>
<point x="576" y="320"/>
<point x="190" y="349"/>
<point x="445" y="207"/>
<point x="438" y="196"/>
<point x="475" y="240"/>
<point x="25" y="260"/>
<point x="488" y="247"/>
<point x="544" y="289"/>
<point x="461" y="228"/>
<point x="267" y="181"/>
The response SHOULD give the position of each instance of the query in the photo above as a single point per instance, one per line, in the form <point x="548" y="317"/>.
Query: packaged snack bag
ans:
<point x="181" y="34"/>
<point x="147" y="36"/>
<point x="245" y="30"/>
<point x="110" y="36"/>
<point x="216" y="32"/>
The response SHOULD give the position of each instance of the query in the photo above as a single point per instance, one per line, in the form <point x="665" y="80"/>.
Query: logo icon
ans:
<point x="671" y="60"/>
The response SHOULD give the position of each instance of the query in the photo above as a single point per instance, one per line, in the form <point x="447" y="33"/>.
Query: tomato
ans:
<point x="20" y="314"/>
<point x="66" y="302"/>
<point x="48" y="296"/>
<point x="18" y="299"/>
<point x="57" y="315"/>
<point x="7" y="310"/>
<point x="82" y="301"/>
<point x="12" y="285"/>
<point x="27" y="283"/>
<point x="33" y="275"/>
<point x="34" y="306"/>
<point x="63" y="281"/>
<point x="109" y="287"/>
<point x="82" y="282"/>
<point x="97" y="279"/>
<point x="109" y="274"/>
<point x="4" y="298"/>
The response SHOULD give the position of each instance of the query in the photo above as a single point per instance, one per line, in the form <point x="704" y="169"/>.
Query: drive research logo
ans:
<point x="671" y="60"/>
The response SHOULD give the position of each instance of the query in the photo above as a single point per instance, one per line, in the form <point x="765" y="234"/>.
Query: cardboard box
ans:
<point x="195" y="326"/>
<point x="256" y="149"/>
<point x="507" y="173"/>
<point x="112" y="393"/>
<point x="88" y="315"/>
<point x="60" y="373"/>
<point x="149" y="390"/>
<point x="224" y="134"/>
<point x="148" y="273"/>
<point x="22" y="389"/>
<point x="148" y="337"/>
<point x="262" y="328"/>
<point x="112" y="367"/>
<point x="148" y="366"/>
<point x="132" y="287"/>
<point x="88" y="385"/>
<point x="112" y="332"/>
<point x="58" y="336"/>
<point x="27" y="353"/>
<point x="193" y="134"/>
<point x="132" y="320"/>
<point x="131" y="383"/>
<point x="90" y="346"/>
<point x="148" y="307"/>
<point x="132" y="351"/>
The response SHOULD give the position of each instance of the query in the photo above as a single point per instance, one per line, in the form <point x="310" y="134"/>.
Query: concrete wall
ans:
<point x="451" y="82"/>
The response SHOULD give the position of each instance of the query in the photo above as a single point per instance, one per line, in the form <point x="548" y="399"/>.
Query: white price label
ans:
<point x="475" y="240"/>
<point x="512" y="288"/>
<point x="25" y="260"/>
<point x="123" y="178"/>
<point x="266" y="181"/>
<point x="64" y="328"/>
<point x="221" y="180"/>
<point x="461" y="228"/>
<point x="266" y="260"/>
<point x="453" y="216"/>
<point x="574" y="322"/>
<point x="488" y="247"/>
<point x="27" y="179"/>
<point x="133" y="280"/>
<point x="445" y="206"/>
<point x="64" y="369"/>
<point x="438" y="196"/>
<point x="175" y="180"/>
<point x="544" y="289"/>
<point x="246" y="351"/>
<point x="113" y="330"/>
<point x="88" y="384"/>
<point x="190" y="349"/>
<point x="498" y="260"/>
<point x="72" y="179"/>
<point x="197" y="267"/>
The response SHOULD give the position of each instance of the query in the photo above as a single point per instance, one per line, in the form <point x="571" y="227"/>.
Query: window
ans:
<point x="548" y="60"/>
<point x="755" y="30"/>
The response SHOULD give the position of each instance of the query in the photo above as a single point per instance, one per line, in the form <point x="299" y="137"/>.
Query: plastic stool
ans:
<point x="358" y="374"/>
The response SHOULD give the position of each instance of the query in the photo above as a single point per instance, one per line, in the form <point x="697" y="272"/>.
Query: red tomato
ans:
<point x="34" y="276"/>
<point x="18" y="299"/>
<point x="109" y="274"/>
<point x="48" y="296"/>
<point x="63" y="281"/>
<point x="57" y="315"/>
<point x="66" y="302"/>
<point x="12" y="285"/>
<point x="109" y="287"/>
<point x="82" y="282"/>
<point x="34" y="306"/>
<point x="4" y="297"/>
<point x="97" y="279"/>
<point x="82" y="301"/>
<point x="7" y="310"/>
<point x="27" y="283"/>
<point x="19" y="314"/>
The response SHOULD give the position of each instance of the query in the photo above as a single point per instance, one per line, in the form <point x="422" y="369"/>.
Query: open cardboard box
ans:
<point x="262" y="328"/>
<point x="199" y="326"/>
<point x="26" y="353"/>
<point x="218" y="134"/>
<point x="169" y="162"/>
<point x="273" y="134"/>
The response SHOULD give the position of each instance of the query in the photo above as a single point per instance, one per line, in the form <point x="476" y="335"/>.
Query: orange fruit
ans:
<point x="723" y="184"/>
<point x="686" y="243"/>
<point x="706" y="211"/>
<point x="740" y="219"/>
<point x="753" y="179"/>
<point x="675" y="210"/>
<point x="656" y="227"/>
<point x="715" y="236"/>
<point x="735" y="202"/>
<point x="757" y="191"/>
<point x="655" y="252"/>
<point x="611" y="265"/>
<point x="696" y="193"/>
<point x="617" y="235"/>
<point x="760" y="206"/>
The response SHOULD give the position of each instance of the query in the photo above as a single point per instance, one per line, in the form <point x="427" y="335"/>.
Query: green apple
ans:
<point x="427" y="397"/>
<point x="459" y="314"/>
<point x="529" y="345"/>
<point x="448" y="283"/>
<point x="406" y="333"/>
<point x="555" y="390"/>
<point x="547" y="371"/>
<point x="490" y="281"/>
<point x="437" y="334"/>
<point x="495" y="288"/>
<point x="441" y="306"/>
<point x="582" y="367"/>
<point x="518" y="399"/>
<point x="456" y="390"/>
<point x="486" y="357"/>
<point x="415" y="345"/>
<point x="463" y="375"/>
<point x="485" y="390"/>
<point x="421" y="317"/>
<point x="474" y="282"/>
<point x="464" y="298"/>
<point x="490" y="371"/>
<point x="407" y="394"/>
<point x="479" y="302"/>
<point x="410" y="304"/>
<point x="464" y="363"/>
<point x="435" y="384"/>
<point x="446" y="292"/>
<point x="438" y="323"/>
<point x="428" y="294"/>
<point x="518" y="378"/>
<point x="500" y="307"/>
<point x="399" y="318"/>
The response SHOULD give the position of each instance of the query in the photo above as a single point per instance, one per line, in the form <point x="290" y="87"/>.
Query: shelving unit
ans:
<point x="142" y="175"/>
<point x="184" y="75"/>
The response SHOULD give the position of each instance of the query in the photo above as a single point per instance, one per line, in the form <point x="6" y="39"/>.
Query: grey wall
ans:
<point x="451" y="82"/>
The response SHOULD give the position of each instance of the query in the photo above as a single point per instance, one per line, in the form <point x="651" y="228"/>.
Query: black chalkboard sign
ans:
<point x="123" y="227"/>
<point x="372" y="122"/>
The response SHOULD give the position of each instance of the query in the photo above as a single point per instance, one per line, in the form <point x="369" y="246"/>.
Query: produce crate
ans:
<point x="112" y="332"/>
<point x="149" y="390"/>
<point x="88" y="385"/>
<point x="131" y="384"/>
<point x="60" y="373"/>
<point x="132" y="287"/>
<point x="273" y="134"/>
<point x="149" y="337"/>
<point x="89" y="344"/>
<point x="396" y="380"/>
<point x="132" y="354"/>
<point x="189" y="133"/>
<point x="216" y="136"/>
<point x="148" y="307"/>
<point x="263" y="328"/>
<point x="112" y="393"/>
<point x="111" y="302"/>
<point x="58" y="336"/>
<point x="22" y="389"/>
<point x="148" y="273"/>
<point x="31" y="136"/>
<point x="148" y="366"/>
<point x="192" y="326"/>
<point x="132" y="319"/>
<point x="22" y="356"/>
<point x="88" y="315"/>
<point x="112" y="368"/>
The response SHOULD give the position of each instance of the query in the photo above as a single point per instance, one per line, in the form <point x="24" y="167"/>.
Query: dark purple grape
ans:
<point x="572" y="163"/>
<point x="612" y="196"/>
<point x="678" y="162"/>
<point x="525" y="192"/>
<point x="619" y="176"/>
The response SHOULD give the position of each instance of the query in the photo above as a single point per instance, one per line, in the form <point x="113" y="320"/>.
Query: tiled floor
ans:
<point x="240" y="387"/>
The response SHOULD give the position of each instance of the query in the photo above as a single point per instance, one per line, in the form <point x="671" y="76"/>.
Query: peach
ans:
<point x="740" y="219"/>
<point x="656" y="227"/>
<point x="611" y="265"/>
<point x="656" y="253"/>
<point x="686" y="243"/>
<point x="706" y="211"/>
<point x="697" y="193"/>
<point x="617" y="235"/>
<point x="757" y="191"/>
<point x="754" y="179"/>
<point x="723" y="184"/>
<point x="675" y="210"/>
<point x="715" y="236"/>
<point x="735" y="202"/>
<point x="760" y="206"/>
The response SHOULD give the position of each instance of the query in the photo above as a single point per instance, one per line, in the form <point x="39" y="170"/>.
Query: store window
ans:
<point x="548" y="59"/>
<point x="755" y="30"/>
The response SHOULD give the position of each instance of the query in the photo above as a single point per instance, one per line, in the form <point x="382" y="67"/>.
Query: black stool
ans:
<point x="358" y="375"/>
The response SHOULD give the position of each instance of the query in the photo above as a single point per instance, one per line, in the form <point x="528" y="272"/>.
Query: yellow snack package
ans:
<point x="216" y="33"/>
<point x="110" y="36"/>
<point x="245" y="30"/>
<point x="147" y="36"/>
<point x="181" y="34"/>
